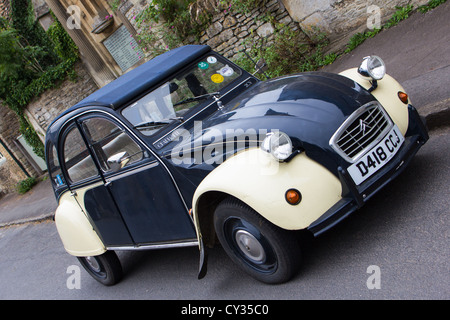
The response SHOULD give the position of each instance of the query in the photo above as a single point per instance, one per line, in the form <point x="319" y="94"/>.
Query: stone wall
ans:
<point x="10" y="172"/>
<point x="340" y="19"/>
<point x="230" y="32"/>
<point x="42" y="110"/>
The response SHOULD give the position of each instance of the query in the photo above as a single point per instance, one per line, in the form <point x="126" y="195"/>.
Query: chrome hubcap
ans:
<point x="93" y="264"/>
<point x="250" y="246"/>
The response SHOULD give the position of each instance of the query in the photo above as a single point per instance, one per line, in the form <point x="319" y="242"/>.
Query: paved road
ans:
<point x="416" y="54"/>
<point x="404" y="231"/>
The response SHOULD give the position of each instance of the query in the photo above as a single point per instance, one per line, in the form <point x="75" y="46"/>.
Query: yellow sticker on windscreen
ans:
<point x="217" y="78"/>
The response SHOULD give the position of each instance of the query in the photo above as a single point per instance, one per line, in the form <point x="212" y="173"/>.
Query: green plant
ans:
<point x="402" y="13"/>
<point x="165" y="24"/>
<point x="16" y="61"/>
<point x="28" y="67"/>
<point x="243" y="6"/>
<point x="25" y="185"/>
<point x="290" y="52"/>
<point x="31" y="33"/>
<point x="328" y="59"/>
<point x="359" y="38"/>
<point x="430" y="5"/>
<point x="64" y="46"/>
<point x="355" y="41"/>
<point x="114" y="4"/>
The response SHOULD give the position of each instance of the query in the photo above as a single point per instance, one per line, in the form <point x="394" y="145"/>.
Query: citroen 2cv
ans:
<point x="189" y="148"/>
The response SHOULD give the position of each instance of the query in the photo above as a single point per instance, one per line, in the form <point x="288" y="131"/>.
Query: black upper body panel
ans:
<point x="309" y="107"/>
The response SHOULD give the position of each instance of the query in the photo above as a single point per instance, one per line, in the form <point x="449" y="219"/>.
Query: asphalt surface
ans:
<point x="404" y="230"/>
<point x="415" y="53"/>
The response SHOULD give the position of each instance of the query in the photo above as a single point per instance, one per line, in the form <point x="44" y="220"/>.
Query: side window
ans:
<point x="77" y="159"/>
<point x="109" y="140"/>
<point x="53" y="167"/>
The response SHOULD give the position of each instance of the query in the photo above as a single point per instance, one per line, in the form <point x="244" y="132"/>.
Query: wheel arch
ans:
<point x="241" y="177"/>
<point x="205" y="206"/>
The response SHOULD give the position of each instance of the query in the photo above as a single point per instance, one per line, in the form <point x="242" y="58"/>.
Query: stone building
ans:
<point x="108" y="46"/>
<point x="16" y="164"/>
<point x="104" y="38"/>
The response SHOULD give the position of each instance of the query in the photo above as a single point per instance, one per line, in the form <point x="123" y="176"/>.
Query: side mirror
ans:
<point x="261" y="66"/>
<point x="118" y="161"/>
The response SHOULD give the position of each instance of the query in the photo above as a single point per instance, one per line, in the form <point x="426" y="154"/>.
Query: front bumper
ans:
<point x="353" y="196"/>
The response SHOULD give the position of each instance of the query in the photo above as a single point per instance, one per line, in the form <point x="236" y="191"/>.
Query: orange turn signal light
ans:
<point x="403" y="97"/>
<point x="293" y="196"/>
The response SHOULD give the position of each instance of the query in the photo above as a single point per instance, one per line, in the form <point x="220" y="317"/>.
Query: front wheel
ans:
<point x="266" y="252"/>
<point x="105" y="268"/>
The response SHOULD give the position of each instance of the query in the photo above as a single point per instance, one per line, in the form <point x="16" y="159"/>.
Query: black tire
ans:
<point x="266" y="252"/>
<point x="105" y="268"/>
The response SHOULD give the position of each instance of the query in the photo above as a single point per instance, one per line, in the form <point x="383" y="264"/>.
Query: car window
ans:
<point x="77" y="159"/>
<point x="54" y="168"/>
<point x="107" y="139"/>
<point x="176" y="96"/>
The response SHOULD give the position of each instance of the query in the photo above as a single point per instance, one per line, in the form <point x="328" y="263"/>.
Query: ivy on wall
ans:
<point x="176" y="22"/>
<point x="180" y="20"/>
<point x="31" y="62"/>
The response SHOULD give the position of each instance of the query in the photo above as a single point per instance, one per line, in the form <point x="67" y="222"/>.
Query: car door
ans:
<point x="87" y="188"/>
<point x="140" y="185"/>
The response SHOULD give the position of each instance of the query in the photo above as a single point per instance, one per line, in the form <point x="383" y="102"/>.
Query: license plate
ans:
<point x="377" y="157"/>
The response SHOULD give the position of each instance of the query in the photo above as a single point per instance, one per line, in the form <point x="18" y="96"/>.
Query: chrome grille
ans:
<point x="361" y="131"/>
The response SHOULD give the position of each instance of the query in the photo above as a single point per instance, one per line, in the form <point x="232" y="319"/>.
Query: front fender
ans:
<point x="387" y="94"/>
<point x="257" y="179"/>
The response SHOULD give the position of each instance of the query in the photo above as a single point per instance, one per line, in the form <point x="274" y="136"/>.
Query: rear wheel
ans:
<point x="105" y="268"/>
<point x="265" y="251"/>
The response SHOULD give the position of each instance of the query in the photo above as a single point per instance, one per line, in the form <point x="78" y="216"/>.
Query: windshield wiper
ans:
<point x="157" y="123"/>
<point x="151" y="124"/>
<point x="197" y="98"/>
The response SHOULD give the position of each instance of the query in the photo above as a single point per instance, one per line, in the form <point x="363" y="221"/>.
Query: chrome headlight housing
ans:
<point x="278" y="144"/>
<point x="372" y="67"/>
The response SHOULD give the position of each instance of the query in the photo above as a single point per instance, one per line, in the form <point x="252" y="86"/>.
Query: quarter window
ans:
<point x="53" y="167"/>
<point x="77" y="159"/>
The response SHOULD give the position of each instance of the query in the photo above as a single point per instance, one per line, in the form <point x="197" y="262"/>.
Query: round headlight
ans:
<point x="278" y="144"/>
<point x="372" y="67"/>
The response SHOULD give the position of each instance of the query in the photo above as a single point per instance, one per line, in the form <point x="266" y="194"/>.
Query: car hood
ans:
<point x="309" y="107"/>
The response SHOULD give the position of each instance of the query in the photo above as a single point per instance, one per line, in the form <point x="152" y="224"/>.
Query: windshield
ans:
<point x="173" y="99"/>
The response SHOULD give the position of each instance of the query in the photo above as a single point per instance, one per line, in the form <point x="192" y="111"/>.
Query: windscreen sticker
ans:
<point x="217" y="78"/>
<point x="211" y="60"/>
<point x="226" y="71"/>
<point x="203" y="65"/>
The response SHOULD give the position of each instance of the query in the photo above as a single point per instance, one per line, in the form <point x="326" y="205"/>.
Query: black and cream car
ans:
<point x="189" y="148"/>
